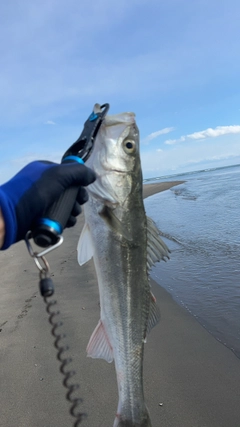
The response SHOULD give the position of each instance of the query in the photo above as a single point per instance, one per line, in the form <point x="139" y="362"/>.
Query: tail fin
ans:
<point x="144" y="422"/>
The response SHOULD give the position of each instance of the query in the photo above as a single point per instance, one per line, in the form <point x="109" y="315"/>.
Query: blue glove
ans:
<point x="33" y="190"/>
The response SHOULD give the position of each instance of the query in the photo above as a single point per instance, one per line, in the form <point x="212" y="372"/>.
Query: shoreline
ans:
<point x="193" y="376"/>
<point x="158" y="187"/>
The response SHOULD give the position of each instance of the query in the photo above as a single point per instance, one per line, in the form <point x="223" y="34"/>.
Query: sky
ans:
<point x="174" y="63"/>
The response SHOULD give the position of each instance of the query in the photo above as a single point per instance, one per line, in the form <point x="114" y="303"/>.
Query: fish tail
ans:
<point x="122" y="422"/>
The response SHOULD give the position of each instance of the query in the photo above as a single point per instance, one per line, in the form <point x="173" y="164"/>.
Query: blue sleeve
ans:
<point x="10" y="194"/>
<point x="9" y="216"/>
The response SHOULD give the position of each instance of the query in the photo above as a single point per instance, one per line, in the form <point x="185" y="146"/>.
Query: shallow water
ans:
<point x="202" y="219"/>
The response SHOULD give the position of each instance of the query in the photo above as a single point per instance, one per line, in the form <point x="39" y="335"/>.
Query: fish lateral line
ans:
<point x="114" y="223"/>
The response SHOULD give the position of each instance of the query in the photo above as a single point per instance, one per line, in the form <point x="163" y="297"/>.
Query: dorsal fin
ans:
<point x="157" y="250"/>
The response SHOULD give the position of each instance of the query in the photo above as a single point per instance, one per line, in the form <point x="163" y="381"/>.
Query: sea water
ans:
<point x="201" y="219"/>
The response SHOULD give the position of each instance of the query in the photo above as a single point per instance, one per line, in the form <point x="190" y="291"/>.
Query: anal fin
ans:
<point x="99" y="346"/>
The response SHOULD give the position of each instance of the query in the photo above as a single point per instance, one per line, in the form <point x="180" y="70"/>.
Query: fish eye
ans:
<point x="129" y="146"/>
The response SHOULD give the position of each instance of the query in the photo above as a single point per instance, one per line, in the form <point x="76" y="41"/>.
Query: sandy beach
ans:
<point x="191" y="380"/>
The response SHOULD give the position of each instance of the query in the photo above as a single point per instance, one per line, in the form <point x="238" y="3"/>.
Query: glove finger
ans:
<point x="76" y="209"/>
<point x="82" y="196"/>
<point x="71" y="222"/>
<point x="77" y="174"/>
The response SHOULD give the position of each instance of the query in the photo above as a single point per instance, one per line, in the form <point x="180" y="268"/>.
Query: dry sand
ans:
<point x="194" y="377"/>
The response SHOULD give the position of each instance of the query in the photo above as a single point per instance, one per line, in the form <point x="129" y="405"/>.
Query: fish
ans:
<point x="124" y="244"/>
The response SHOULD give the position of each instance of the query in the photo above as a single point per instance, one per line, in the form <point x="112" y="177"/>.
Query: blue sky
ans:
<point x="175" y="63"/>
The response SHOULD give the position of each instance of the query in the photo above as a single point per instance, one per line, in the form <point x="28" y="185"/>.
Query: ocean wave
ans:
<point x="184" y="193"/>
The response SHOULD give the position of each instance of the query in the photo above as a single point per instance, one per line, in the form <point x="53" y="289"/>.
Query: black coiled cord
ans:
<point x="64" y="362"/>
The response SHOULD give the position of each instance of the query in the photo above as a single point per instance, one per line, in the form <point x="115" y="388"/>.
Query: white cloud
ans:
<point x="213" y="133"/>
<point x="154" y="135"/>
<point x="207" y="133"/>
<point x="49" y="122"/>
<point x="192" y="156"/>
<point x="174" y="141"/>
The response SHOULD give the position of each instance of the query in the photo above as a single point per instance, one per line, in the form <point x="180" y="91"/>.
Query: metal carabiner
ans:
<point x="43" y="268"/>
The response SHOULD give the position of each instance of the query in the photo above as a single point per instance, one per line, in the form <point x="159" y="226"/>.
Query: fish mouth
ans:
<point x="118" y="171"/>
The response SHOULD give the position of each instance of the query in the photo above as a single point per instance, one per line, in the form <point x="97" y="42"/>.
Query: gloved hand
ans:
<point x="32" y="191"/>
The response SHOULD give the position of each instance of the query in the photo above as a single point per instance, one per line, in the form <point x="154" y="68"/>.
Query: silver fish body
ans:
<point x="117" y="234"/>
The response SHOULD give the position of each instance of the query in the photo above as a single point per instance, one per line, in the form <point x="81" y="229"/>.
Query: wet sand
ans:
<point x="191" y="380"/>
<point x="150" y="189"/>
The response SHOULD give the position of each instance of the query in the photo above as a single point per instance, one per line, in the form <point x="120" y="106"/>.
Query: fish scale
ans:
<point x="124" y="244"/>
